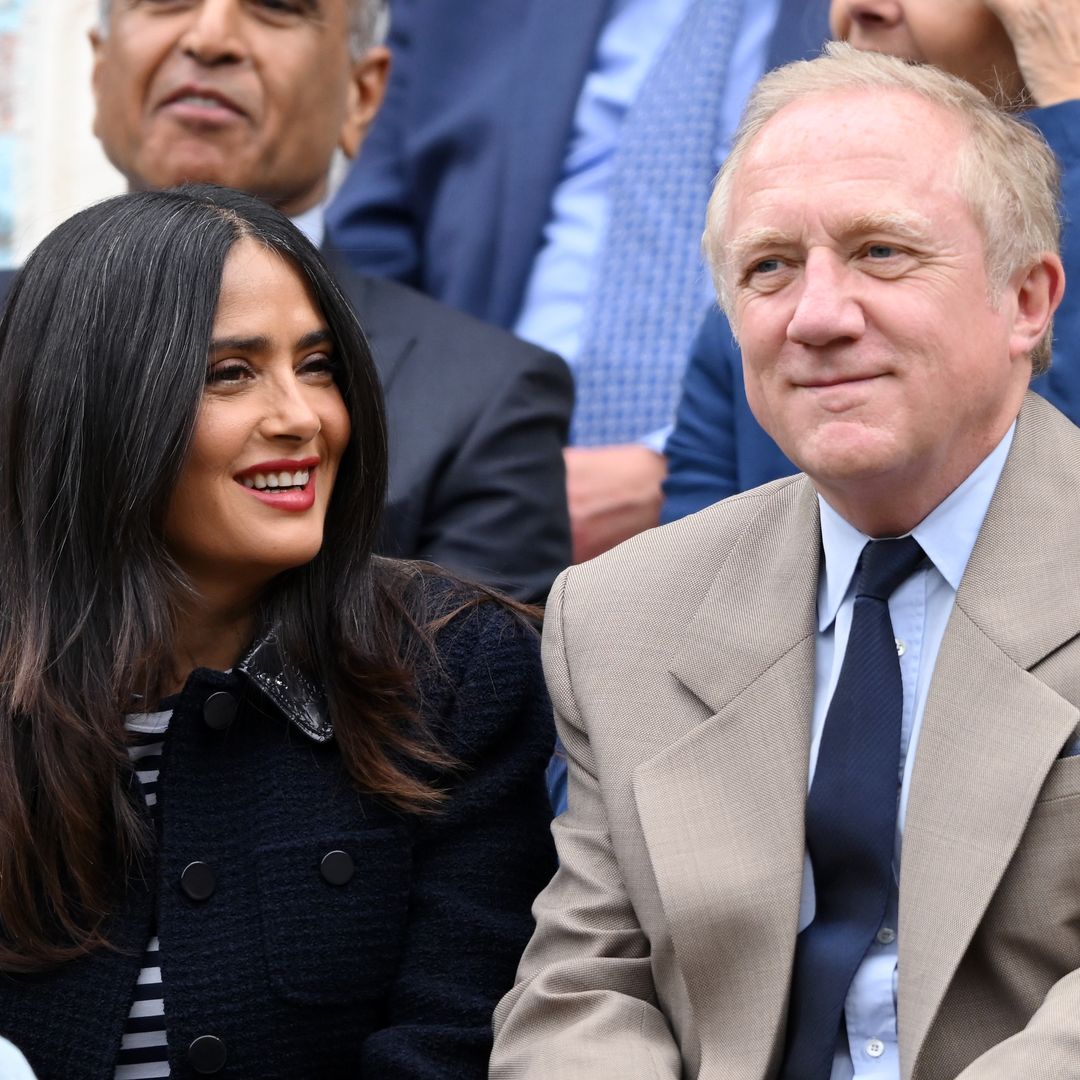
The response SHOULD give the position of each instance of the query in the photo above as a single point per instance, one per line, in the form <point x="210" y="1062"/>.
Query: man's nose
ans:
<point x="214" y="34"/>
<point x="827" y="309"/>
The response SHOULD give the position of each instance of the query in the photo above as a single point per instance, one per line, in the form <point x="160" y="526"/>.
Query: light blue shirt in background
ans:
<point x="636" y="32"/>
<point x="919" y="609"/>
<point x="312" y="223"/>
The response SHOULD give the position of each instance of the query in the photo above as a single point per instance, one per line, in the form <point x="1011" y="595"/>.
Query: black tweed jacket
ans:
<point x="296" y="973"/>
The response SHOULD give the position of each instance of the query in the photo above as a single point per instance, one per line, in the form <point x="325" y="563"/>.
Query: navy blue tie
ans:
<point x="851" y="814"/>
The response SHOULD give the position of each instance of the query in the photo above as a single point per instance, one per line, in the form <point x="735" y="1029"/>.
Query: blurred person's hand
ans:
<point x="613" y="493"/>
<point x="1046" y="37"/>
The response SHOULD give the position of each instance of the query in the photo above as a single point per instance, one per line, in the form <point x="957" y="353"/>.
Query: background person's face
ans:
<point x="251" y="500"/>
<point x="250" y="94"/>
<point x="872" y="350"/>
<point x="962" y="37"/>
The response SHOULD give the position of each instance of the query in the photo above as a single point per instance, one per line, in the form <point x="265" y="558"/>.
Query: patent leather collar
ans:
<point x="300" y="700"/>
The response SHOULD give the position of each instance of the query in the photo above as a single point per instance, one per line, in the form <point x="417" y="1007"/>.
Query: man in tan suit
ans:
<point x="884" y="242"/>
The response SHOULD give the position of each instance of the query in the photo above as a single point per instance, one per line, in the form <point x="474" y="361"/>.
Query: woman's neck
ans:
<point x="208" y="635"/>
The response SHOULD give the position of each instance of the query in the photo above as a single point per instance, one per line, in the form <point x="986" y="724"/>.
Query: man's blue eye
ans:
<point x="881" y="251"/>
<point x="767" y="266"/>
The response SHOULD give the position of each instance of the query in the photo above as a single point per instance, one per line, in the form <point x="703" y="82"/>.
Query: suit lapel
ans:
<point x="377" y="308"/>
<point x="556" y="51"/>
<point x="722" y="809"/>
<point x="991" y="730"/>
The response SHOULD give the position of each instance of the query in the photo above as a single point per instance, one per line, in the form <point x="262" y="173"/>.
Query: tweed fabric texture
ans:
<point x="394" y="973"/>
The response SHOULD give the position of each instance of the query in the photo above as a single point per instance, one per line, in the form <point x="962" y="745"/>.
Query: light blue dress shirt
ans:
<point x="561" y="278"/>
<point x="919" y="610"/>
<point x="312" y="223"/>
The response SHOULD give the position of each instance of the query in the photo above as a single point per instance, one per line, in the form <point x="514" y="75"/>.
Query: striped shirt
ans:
<point x="144" y="1050"/>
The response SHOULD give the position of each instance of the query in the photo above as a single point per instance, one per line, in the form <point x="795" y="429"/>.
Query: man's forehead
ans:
<point x="894" y="143"/>
<point x="824" y="124"/>
<point x="893" y="175"/>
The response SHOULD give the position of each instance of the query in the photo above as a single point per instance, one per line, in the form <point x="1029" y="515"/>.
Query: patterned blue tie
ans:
<point x="851" y="814"/>
<point x="647" y="298"/>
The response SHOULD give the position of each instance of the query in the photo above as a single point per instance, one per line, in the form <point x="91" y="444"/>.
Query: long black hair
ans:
<point x="103" y="360"/>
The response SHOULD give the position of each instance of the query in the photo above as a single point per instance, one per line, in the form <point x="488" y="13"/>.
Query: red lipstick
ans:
<point x="290" y="498"/>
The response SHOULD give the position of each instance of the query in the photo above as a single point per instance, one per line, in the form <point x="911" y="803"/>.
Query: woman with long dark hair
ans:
<point x="270" y="806"/>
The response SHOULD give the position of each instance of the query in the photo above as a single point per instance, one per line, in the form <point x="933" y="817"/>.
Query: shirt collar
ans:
<point x="312" y="223"/>
<point x="947" y="534"/>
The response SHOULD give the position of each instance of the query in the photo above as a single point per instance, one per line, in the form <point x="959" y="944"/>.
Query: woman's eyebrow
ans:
<point x="261" y="343"/>
<point x="255" y="343"/>
<point x="314" y="337"/>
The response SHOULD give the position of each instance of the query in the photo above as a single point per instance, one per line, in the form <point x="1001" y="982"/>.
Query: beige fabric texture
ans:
<point x="682" y="668"/>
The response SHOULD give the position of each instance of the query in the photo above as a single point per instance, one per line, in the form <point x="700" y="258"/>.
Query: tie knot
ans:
<point x="884" y="564"/>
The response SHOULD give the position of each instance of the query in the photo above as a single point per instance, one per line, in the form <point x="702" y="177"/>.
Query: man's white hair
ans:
<point x="369" y="23"/>
<point x="1007" y="173"/>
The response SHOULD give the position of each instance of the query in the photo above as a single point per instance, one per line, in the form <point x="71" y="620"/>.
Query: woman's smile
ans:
<point x="285" y="485"/>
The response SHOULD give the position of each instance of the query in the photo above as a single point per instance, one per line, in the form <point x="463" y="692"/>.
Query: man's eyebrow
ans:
<point x="905" y="225"/>
<point x="902" y="225"/>
<point x="260" y="343"/>
<point x="755" y="240"/>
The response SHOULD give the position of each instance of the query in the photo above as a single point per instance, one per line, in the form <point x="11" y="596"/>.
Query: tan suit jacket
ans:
<point x="682" y="670"/>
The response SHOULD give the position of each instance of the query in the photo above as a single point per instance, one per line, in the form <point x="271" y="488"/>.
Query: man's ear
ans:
<point x="367" y="86"/>
<point x="1038" y="291"/>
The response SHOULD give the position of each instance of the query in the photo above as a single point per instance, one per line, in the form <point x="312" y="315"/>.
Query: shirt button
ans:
<point x="886" y="936"/>
<point x="875" y="1048"/>
<point x="198" y="881"/>
<point x="901" y="647"/>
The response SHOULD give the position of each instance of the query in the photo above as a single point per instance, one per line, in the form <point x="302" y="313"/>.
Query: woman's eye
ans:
<point x="227" y="371"/>
<point x="319" y="366"/>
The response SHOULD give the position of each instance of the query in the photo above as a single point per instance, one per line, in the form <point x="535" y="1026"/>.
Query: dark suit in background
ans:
<point x="454" y="185"/>
<point x="477" y="419"/>
<point x="453" y="189"/>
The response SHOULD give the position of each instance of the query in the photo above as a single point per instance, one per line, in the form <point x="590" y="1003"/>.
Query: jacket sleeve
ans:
<point x="1047" y="1049"/>
<point x="584" y="1003"/>
<point x="479" y="861"/>
<point x="498" y="510"/>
